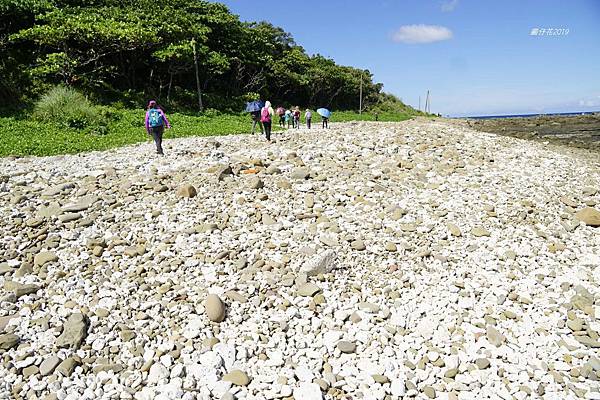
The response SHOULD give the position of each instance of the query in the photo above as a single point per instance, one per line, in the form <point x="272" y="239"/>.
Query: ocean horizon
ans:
<point x="528" y="115"/>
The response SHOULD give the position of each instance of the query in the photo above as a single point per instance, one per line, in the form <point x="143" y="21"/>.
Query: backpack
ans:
<point x="154" y="118"/>
<point x="264" y="115"/>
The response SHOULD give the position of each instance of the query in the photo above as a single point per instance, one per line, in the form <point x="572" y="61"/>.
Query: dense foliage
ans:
<point x="130" y="50"/>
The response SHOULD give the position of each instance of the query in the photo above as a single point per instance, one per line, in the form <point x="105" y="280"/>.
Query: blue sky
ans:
<point x="477" y="57"/>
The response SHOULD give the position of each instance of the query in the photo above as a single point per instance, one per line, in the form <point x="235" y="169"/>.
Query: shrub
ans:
<point x="69" y="108"/>
<point x="210" y="112"/>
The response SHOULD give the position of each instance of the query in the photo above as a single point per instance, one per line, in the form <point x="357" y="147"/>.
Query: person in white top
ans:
<point x="308" y="117"/>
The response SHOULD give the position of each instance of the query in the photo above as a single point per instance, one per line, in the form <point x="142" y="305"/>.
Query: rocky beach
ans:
<point x="420" y="259"/>
<point x="581" y="131"/>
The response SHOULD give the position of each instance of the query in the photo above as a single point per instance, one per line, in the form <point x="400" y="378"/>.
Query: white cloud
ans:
<point x="589" y="103"/>
<point x="449" y="5"/>
<point x="421" y="34"/>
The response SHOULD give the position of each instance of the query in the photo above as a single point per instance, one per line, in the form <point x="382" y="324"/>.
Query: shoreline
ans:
<point x="577" y="131"/>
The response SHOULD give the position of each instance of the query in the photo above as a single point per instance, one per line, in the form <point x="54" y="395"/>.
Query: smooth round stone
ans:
<point x="187" y="190"/>
<point x="429" y="392"/>
<point x="358" y="245"/>
<point x="237" y="377"/>
<point x="482" y="363"/>
<point x="346" y="347"/>
<point x="215" y="308"/>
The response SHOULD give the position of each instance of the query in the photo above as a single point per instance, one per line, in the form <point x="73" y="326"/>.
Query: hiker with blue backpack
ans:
<point x="266" y="117"/>
<point x="155" y="122"/>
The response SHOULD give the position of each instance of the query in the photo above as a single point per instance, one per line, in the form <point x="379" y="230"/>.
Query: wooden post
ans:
<point x="200" y="106"/>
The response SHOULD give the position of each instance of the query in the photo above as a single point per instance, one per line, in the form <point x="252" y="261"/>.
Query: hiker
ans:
<point x="266" y="117"/>
<point x="288" y="118"/>
<point x="376" y="116"/>
<point x="325" y="122"/>
<point x="308" y="117"/>
<point x="281" y="114"/>
<point x="155" y="124"/>
<point x="255" y="115"/>
<point x="297" y="118"/>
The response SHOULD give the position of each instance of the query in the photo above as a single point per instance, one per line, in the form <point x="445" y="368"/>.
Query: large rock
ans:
<point x="255" y="183"/>
<point x="346" y="347"/>
<point x="50" y="210"/>
<point x="5" y="320"/>
<point x="273" y="169"/>
<point x="82" y="204"/>
<point x="237" y="377"/>
<point x="49" y="364"/>
<point x="222" y="171"/>
<point x="358" y="245"/>
<point x="187" y="191"/>
<point x="321" y="263"/>
<point x="300" y="173"/>
<point x="215" y="308"/>
<point x="44" y="257"/>
<point x="74" y="331"/>
<point x="157" y="373"/>
<point x="588" y="341"/>
<point x="480" y="231"/>
<point x="58" y="189"/>
<point x="24" y="269"/>
<point x="569" y="201"/>
<point x="20" y="289"/>
<point x="308" y="290"/>
<point x="494" y="337"/>
<point x="8" y="341"/>
<point x="589" y="215"/>
<point x="6" y="269"/>
<point x="454" y="229"/>
<point x="69" y="217"/>
<point x="482" y="363"/>
<point x="66" y="367"/>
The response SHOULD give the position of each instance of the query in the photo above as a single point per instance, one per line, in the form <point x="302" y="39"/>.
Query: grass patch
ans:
<point x="70" y="109"/>
<point x="25" y="136"/>
<point x="21" y="135"/>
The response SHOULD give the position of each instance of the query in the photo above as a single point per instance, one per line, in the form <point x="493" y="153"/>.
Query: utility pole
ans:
<point x="360" y="94"/>
<point x="419" y="103"/>
<point x="427" y="105"/>
<point x="200" y="106"/>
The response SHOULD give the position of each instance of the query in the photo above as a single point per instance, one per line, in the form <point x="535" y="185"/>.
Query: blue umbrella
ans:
<point x="254" y="106"/>
<point x="323" y="112"/>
